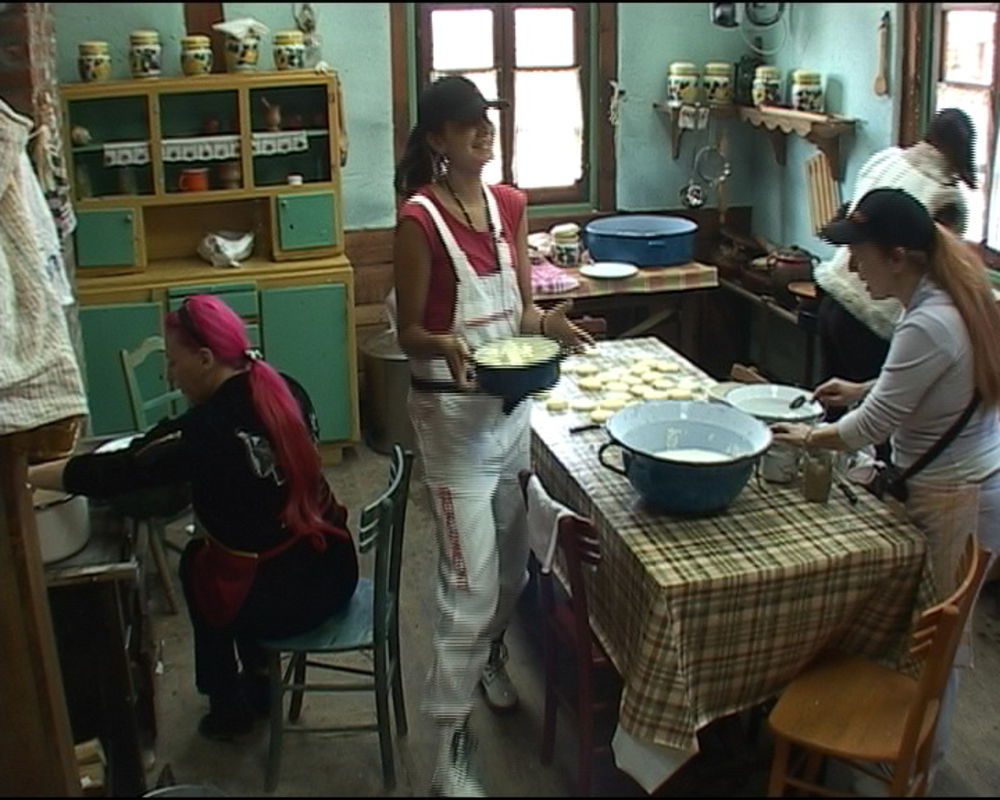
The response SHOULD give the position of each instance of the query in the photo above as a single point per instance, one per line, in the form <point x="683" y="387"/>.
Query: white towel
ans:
<point x="544" y="514"/>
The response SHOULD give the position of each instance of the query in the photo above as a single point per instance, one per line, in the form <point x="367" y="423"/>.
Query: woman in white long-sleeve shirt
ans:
<point x="944" y="358"/>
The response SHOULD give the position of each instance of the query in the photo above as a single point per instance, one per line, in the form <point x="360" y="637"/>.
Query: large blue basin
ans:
<point x="654" y="435"/>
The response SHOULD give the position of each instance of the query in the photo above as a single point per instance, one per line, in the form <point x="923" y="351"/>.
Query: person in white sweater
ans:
<point x="855" y="328"/>
<point x="942" y="375"/>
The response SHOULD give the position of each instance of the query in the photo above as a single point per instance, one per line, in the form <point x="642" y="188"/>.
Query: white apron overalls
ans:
<point x="471" y="453"/>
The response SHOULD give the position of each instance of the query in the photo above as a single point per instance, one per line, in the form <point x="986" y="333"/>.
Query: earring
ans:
<point x="440" y="165"/>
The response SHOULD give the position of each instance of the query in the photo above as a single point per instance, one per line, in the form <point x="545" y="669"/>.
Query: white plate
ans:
<point x="609" y="270"/>
<point x="770" y="402"/>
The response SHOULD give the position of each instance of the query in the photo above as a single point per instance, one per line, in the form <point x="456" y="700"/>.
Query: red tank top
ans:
<point x="440" y="309"/>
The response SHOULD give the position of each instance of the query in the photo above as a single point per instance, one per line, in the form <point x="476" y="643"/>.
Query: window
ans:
<point x="966" y="65"/>
<point x="537" y="57"/>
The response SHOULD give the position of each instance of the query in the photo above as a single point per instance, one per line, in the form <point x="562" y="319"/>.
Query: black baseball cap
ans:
<point x="889" y="217"/>
<point x="452" y="99"/>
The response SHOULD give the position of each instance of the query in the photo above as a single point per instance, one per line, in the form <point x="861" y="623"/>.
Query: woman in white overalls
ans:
<point x="462" y="279"/>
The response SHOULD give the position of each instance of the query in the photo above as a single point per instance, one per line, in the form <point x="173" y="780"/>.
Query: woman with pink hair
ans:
<point x="276" y="558"/>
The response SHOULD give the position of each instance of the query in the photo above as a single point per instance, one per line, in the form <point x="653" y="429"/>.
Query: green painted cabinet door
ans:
<point x="106" y="331"/>
<point x="304" y="334"/>
<point x="105" y="238"/>
<point x="307" y="220"/>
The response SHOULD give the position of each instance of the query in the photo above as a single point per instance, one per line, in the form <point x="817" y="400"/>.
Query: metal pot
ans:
<point x="789" y="265"/>
<point x="63" y="522"/>
<point x="385" y="418"/>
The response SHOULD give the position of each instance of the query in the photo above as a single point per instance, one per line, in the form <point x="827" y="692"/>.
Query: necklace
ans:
<point x="468" y="219"/>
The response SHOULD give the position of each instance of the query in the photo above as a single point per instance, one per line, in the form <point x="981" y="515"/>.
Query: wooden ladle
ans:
<point x="881" y="84"/>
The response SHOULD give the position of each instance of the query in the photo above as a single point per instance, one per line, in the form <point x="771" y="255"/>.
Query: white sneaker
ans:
<point x="495" y="682"/>
<point x="453" y="775"/>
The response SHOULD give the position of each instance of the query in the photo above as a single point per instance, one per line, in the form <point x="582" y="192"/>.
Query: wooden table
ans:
<point x="686" y="283"/>
<point x="106" y="650"/>
<point x="706" y="616"/>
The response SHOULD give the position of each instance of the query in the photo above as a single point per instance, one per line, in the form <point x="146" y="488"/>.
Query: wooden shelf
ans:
<point x="823" y="130"/>
<point x="677" y="132"/>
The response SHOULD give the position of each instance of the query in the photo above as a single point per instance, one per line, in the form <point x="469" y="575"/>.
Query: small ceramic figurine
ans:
<point x="272" y="115"/>
<point x="79" y="135"/>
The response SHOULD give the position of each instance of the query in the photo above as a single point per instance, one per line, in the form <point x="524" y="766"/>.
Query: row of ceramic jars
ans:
<point x="806" y="90"/>
<point x="683" y="84"/>
<point x="196" y="55"/>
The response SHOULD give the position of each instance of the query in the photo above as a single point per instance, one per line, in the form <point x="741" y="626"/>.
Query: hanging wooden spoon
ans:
<point x="881" y="84"/>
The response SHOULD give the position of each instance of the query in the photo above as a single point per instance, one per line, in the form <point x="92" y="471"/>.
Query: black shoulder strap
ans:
<point x="949" y="436"/>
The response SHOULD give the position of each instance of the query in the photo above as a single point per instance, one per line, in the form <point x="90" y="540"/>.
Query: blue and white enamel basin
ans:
<point x="685" y="457"/>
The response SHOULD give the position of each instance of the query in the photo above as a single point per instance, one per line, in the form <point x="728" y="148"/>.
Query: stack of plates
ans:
<point x="609" y="270"/>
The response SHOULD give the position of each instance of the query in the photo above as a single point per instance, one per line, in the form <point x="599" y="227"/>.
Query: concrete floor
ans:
<point x="507" y="758"/>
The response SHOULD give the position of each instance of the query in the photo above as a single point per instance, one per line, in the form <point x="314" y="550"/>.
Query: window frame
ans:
<point x="597" y="43"/>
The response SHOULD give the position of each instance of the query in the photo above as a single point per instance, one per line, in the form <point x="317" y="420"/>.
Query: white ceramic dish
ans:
<point x="609" y="270"/>
<point x="770" y="402"/>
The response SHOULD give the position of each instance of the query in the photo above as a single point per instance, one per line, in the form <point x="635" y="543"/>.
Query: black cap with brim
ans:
<point x="889" y="217"/>
<point x="453" y="99"/>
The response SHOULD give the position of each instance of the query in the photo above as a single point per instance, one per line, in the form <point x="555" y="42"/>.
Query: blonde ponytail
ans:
<point x="957" y="269"/>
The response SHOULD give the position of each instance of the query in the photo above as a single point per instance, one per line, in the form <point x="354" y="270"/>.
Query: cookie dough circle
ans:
<point x="656" y="394"/>
<point x="617" y="387"/>
<point x="613" y="403"/>
<point x="601" y="415"/>
<point x="650" y="377"/>
<point x="557" y="404"/>
<point x="679" y="394"/>
<point x="667" y="366"/>
<point x="632" y="380"/>
<point x="586" y="369"/>
<point x="664" y="385"/>
<point x="584" y="405"/>
<point x="639" y="390"/>
<point x="638" y="368"/>
<point x="590" y="384"/>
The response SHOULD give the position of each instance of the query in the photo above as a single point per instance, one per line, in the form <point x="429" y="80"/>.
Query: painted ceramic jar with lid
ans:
<point x="719" y="83"/>
<point x="682" y="84"/>
<point x="94" y="61"/>
<point x="767" y="86"/>
<point x="566" y="244"/>
<point x="289" y="50"/>
<point x="196" y="55"/>
<point x="807" y="91"/>
<point x="145" y="54"/>
<point x="242" y="54"/>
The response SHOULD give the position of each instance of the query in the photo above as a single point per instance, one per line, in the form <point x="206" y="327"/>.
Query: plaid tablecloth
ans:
<point x="706" y="616"/>
<point x="649" y="280"/>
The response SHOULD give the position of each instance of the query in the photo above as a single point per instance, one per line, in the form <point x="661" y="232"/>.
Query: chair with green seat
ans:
<point x="160" y="506"/>
<point x="370" y="623"/>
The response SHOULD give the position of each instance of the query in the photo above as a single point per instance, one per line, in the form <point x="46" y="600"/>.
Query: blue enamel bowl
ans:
<point x="683" y="457"/>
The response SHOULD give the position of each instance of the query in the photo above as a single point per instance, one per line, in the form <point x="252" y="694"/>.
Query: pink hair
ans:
<point x="223" y="332"/>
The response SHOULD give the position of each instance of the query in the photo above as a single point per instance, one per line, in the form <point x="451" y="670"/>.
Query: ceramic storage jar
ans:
<point x="682" y="84"/>
<point x="94" y="61"/>
<point x="145" y="54"/>
<point x="719" y="83"/>
<point x="807" y="91"/>
<point x="196" y="55"/>
<point x="289" y="50"/>
<point x="767" y="86"/>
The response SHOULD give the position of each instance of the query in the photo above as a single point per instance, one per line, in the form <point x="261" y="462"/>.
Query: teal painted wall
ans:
<point x="355" y="42"/>
<point x="651" y="35"/>
<point x="839" y="40"/>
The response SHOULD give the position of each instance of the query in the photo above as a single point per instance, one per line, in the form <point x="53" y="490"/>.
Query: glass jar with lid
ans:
<point x="144" y="54"/>
<point x="94" y="61"/>
<point x="719" y="83"/>
<point x="682" y="84"/>
<point x="767" y="86"/>
<point x="807" y="91"/>
<point x="196" y="55"/>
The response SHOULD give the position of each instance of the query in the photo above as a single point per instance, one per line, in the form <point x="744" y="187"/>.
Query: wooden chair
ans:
<point x="849" y="708"/>
<point x="141" y="407"/>
<point x="567" y="627"/>
<point x="370" y="623"/>
<point x="595" y="326"/>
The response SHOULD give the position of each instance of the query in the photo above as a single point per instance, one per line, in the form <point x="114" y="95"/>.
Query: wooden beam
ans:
<point x="914" y="69"/>
<point x="607" y="70"/>
<point x="399" y="34"/>
<point x="36" y="743"/>
<point x="199" y="18"/>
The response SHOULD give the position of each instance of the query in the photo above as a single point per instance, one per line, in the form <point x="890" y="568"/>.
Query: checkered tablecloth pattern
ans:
<point x="706" y="616"/>
<point x="649" y="280"/>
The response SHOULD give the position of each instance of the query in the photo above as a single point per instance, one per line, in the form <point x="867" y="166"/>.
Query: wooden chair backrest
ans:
<point x="141" y="406"/>
<point x="936" y="636"/>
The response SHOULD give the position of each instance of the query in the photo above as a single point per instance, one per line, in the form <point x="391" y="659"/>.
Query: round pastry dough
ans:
<point x="664" y="384"/>
<point x="656" y="394"/>
<point x="590" y="384"/>
<point x="556" y="404"/>
<point x="584" y="405"/>
<point x="679" y="394"/>
<point x="601" y="415"/>
<point x="586" y="369"/>
<point x="617" y="387"/>
<point x="623" y="396"/>
<point x="650" y="377"/>
<point x="632" y="380"/>
<point x="667" y="366"/>
<point x="638" y="368"/>
<point x="616" y="403"/>
<point x="639" y="390"/>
